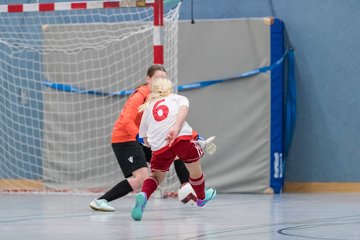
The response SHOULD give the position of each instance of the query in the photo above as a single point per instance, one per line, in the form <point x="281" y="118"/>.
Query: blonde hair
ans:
<point x="160" y="87"/>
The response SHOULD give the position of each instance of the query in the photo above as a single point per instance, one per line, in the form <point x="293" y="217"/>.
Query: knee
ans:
<point x="136" y="183"/>
<point x="142" y="178"/>
<point x="139" y="178"/>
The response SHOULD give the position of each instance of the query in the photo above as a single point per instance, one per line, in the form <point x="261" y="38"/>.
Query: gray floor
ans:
<point x="229" y="216"/>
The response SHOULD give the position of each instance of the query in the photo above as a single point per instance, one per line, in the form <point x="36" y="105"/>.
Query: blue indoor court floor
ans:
<point x="30" y="216"/>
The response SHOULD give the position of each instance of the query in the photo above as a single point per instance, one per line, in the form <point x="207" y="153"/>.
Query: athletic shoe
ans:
<point x="209" y="195"/>
<point x="101" y="205"/>
<point x="140" y="204"/>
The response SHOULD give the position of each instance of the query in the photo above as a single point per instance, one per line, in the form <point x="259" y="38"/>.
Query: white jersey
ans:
<point x="159" y="117"/>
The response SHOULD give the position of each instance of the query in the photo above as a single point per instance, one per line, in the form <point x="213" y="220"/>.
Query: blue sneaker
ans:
<point x="140" y="204"/>
<point x="209" y="195"/>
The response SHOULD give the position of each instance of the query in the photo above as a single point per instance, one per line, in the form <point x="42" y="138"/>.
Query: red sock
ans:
<point x="198" y="185"/>
<point x="149" y="186"/>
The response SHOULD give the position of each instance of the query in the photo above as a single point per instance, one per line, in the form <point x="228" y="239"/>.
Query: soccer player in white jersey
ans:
<point x="165" y="130"/>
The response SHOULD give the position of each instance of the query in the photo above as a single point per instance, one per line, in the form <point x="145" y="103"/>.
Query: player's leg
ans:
<point x="160" y="164"/>
<point x="148" y="153"/>
<point x="181" y="171"/>
<point x="148" y="188"/>
<point x="190" y="152"/>
<point x="179" y="166"/>
<point x="183" y="175"/>
<point x="132" y="161"/>
<point x="197" y="182"/>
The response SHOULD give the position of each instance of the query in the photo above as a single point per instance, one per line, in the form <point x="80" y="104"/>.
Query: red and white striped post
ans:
<point x="158" y="32"/>
<point x="158" y="8"/>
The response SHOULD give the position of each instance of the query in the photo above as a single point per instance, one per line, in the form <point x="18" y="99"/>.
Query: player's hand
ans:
<point x="142" y="141"/>
<point x="208" y="145"/>
<point x="139" y="139"/>
<point x="173" y="133"/>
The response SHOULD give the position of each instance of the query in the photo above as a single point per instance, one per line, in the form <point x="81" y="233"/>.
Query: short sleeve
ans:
<point x="144" y="124"/>
<point x="182" y="100"/>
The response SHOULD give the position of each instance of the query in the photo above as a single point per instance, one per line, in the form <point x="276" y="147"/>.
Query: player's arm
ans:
<point x="143" y="129"/>
<point x="131" y="112"/>
<point x="175" y="129"/>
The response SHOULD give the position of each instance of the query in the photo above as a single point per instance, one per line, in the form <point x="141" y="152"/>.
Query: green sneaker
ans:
<point x="140" y="204"/>
<point x="209" y="195"/>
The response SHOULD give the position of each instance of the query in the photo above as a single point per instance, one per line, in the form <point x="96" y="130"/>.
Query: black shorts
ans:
<point x="131" y="156"/>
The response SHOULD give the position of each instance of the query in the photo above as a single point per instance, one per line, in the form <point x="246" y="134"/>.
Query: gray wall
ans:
<point x="239" y="112"/>
<point x="325" y="35"/>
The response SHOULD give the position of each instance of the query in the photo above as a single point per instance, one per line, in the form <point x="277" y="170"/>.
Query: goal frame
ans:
<point x="157" y="5"/>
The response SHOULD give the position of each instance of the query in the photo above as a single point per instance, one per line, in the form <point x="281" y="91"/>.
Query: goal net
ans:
<point x="66" y="72"/>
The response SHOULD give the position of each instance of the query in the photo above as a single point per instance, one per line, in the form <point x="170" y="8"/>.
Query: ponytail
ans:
<point x="160" y="88"/>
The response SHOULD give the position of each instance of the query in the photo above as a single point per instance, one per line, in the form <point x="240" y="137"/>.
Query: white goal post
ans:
<point x="66" y="69"/>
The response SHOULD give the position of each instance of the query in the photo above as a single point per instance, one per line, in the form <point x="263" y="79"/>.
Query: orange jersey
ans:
<point x="195" y="135"/>
<point x="127" y="125"/>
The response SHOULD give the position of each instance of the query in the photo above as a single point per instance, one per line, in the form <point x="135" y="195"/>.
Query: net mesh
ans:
<point x="63" y="77"/>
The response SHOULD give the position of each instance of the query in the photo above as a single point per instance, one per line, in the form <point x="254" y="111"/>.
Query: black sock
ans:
<point x="181" y="171"/>
<point x="119" y="190"/>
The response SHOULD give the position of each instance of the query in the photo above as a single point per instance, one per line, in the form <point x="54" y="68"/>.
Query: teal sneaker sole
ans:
<point x="140" y="204"/>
